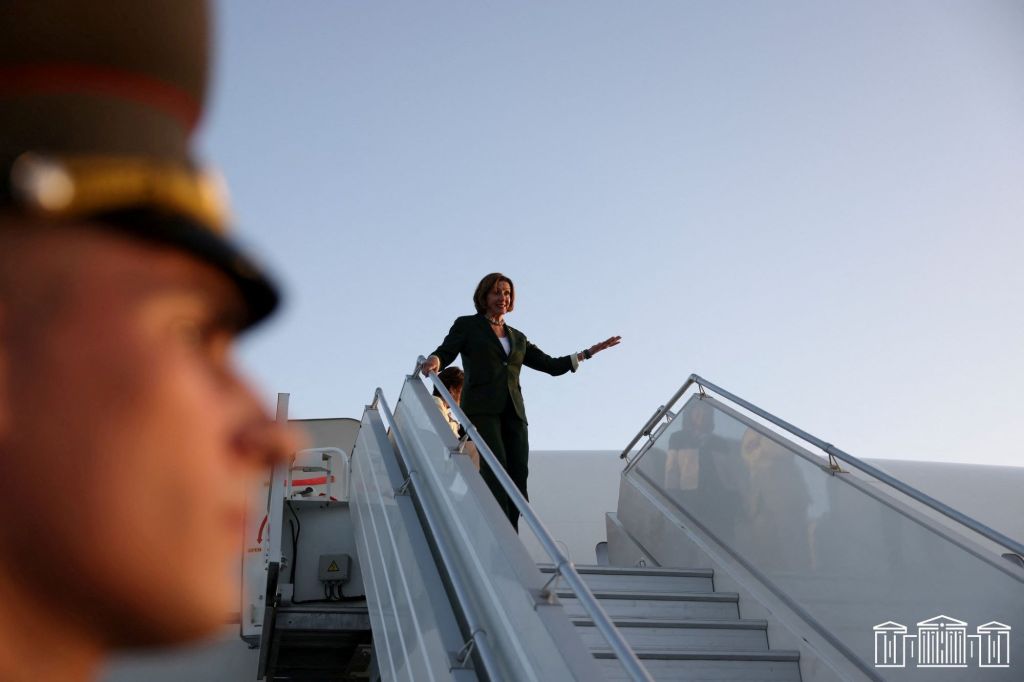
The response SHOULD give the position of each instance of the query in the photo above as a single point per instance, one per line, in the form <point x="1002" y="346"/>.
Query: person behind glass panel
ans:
<point x="453" y="378"/>
<point x="777" y="503"/>
<point x="683" y="462"/>
<point x="701" y="470"/>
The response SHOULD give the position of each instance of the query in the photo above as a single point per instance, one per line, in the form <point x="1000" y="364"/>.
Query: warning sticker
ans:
<point x="333" y="568"/>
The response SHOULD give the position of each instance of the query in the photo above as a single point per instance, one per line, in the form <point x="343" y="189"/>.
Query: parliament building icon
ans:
<point x="942" y="642"/>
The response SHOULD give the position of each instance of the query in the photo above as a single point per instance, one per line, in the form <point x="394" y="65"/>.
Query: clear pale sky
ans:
<point x="816" y="205"/>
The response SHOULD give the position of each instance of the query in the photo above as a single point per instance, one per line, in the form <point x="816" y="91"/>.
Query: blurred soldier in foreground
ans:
<point x="127" y="438"/>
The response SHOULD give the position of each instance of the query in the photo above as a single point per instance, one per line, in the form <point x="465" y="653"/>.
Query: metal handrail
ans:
<point x="563" y="566"/>
<point x="925" y="499"/>
<point x="645" y="430"/>
<point x="478" y="633"/>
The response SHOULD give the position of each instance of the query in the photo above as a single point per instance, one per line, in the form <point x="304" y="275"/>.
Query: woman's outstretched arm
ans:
<point x="537" y="359"/>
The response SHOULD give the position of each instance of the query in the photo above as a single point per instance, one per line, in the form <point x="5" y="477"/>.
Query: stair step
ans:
<point x="653" y="605"/>
<point x="687" y="635"/>
<point x="634" y="570"/>
<point x="642" y="579"/>
<point x="708" y="666"/>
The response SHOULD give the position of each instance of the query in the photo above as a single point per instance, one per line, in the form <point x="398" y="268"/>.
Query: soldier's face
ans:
<point x="127" y="441"/>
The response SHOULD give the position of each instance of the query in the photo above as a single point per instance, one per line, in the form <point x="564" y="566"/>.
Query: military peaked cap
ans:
<point x="98" y="103"/>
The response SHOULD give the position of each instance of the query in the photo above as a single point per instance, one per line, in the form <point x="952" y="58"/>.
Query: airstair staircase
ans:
<point x="779" y="590"/>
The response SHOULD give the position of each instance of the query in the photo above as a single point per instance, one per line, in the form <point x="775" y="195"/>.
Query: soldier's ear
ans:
<point x="5" y="394"/>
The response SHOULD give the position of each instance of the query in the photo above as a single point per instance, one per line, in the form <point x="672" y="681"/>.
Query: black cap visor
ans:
<point x="259" y="292"/>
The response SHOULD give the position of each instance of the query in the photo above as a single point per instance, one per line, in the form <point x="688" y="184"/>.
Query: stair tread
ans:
<point x="587" y="569"/>
<point x="665" y="670"/>
<point x="724" y="624"/>
<point x="708" y="655"/>
<point x="659" y="609"/>
<point x="656" y="596"/>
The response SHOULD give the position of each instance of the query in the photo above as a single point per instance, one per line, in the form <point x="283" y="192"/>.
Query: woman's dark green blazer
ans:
<point x="492" y="378"/>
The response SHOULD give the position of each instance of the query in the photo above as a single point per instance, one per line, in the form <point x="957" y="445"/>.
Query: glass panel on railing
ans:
<point x="487" y="558"/>
<point x="827" y="542"/>
<point x="414" y="627"/>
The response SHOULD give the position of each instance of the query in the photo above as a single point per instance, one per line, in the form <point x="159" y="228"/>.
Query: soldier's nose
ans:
<point x="268" y="442"/>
